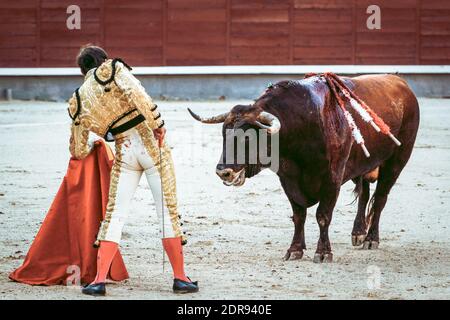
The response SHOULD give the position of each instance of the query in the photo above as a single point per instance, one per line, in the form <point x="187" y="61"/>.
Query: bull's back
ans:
<point x="386" y="94"/>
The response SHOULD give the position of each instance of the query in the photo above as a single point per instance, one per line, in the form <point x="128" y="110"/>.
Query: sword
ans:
<point x="160" y="143"/>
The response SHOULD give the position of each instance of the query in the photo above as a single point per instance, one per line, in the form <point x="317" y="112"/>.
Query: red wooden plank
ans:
<point x="318" y="16"/>
<point x="205" y="61"/>
<point x="13" y="29"/>
<point x="191" y="35"/>
<point x="60" y="15"/>
<point x="15" y="62"/>
<point x="63" y="4"/>
<point x="323" y="40"/>
<point x="326" y="28"/>
<point x="322" y="4"/>
<point x="256" y="29"/>
<point x="131" y="15"/>
<point x="435" y="61"/>
<point x="191" y="15"/>
<point x="17" y="16"/>
<point x="195" y="52"/>
<point x="435" y="41"/>
<point x="260" y="4"/>
<point x="258" y="15"/>
<point x="19" y="4"/>
<point x="138" y="4"/>
<point x="59" y="31"/>
<point x="435" y="4"/>
<point x="17" y="54"/>
<point x="390" y="27"/>
<point x="435" y="28"/>
<point x="197" y="4"/>
<point x="400" y="15"/>
<point x="378" y="38"/>
<point x="325" y="61"/>
<point x="150" y="56"/>
<point x="386" y="4"/>
<point x="260" y="41"/>
<point x="59" y="56"/>
<point x="18" y="42"/>
<point x="144" y="31"/>
<point x="130" y="42"/>
<point x="436" y="53"/>
<point x="386" y="61"/>
<point x="385" y="51"/>
<point x="68" y="39"/>
<point x="259" y="55"/>
<point x="323" y="52"/>
<point x="433" y="15"/>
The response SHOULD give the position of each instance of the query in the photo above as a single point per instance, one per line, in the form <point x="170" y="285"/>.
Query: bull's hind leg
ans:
<point x="323" y="215"/>
<point x="363" y="193"/>
<point x="359" y="225"/>
<point x="388" y="175"/>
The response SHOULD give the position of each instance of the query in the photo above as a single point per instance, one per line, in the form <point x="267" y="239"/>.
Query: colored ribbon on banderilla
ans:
<point x="361" y="108"/>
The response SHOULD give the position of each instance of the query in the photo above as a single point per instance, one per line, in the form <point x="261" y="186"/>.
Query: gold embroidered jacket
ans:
<point x="109" y="93"/>
<point x="109" y="97"/>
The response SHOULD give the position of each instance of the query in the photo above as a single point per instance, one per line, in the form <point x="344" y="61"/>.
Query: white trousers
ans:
<point x="135" y="160"/>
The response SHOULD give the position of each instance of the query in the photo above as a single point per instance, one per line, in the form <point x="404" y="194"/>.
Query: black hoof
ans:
<point x="95" y="289"/>
<point x="323" y="257"/>
<point x="358" y="240"/>
<point x="370" y="245"/>
<point x="294" y="255"/>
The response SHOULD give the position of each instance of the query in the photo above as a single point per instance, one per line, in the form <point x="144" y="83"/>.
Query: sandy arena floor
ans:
<point x="238" y="235"/>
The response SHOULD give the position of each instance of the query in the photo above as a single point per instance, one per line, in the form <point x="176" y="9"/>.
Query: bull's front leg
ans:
<point x="298" y="203"/>
<point x="295" y="251"/>
<point x="324" y="214"/>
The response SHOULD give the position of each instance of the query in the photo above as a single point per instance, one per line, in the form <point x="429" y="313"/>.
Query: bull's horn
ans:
<point x="268" y="121"/>
<point x="216" y="119"/>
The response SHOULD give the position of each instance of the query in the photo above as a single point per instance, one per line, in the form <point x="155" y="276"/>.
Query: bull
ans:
<point x="317" y="153"/>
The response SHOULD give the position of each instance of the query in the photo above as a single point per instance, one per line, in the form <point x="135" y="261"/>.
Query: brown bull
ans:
<point x="317" y="153"/>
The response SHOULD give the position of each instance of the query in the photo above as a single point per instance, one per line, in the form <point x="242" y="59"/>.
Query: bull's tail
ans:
<point x="370" y="212"/>
<point x="357" y="190"/>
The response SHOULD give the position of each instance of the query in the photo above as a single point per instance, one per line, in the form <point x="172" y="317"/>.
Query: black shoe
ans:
<point x="95" y="289"/>
<point x="180" y="286"/>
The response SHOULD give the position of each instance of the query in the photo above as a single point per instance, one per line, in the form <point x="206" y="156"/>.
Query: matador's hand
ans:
<point x="159" y="134"/>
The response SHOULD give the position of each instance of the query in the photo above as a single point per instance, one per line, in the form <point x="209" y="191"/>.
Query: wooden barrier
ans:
<point x="33" y="33"/>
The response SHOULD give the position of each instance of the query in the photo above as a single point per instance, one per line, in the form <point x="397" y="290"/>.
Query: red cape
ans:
<point x="64" y="243"/>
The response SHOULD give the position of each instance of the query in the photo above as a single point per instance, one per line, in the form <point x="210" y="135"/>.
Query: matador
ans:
<point x="112" y="104"/>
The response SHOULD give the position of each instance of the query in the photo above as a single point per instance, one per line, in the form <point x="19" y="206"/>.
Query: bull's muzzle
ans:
<point x="224" y="174"/>
<point x="230" y="177"/>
